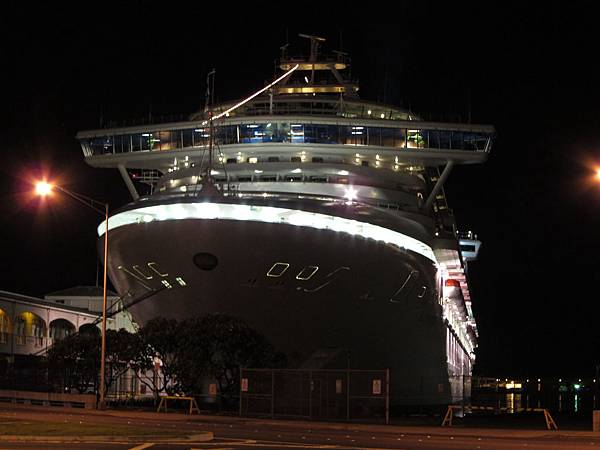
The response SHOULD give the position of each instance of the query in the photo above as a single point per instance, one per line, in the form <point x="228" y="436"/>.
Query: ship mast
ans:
<point x="210" y="88"/>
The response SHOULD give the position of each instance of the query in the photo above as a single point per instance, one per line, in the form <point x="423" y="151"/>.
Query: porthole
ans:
<point x="205" y="261"/>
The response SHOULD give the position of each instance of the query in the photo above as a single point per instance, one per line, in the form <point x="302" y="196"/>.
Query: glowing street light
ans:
<point x="43" y="189"/>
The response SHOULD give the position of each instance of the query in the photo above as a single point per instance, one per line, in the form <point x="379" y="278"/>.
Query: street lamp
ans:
<point x="43" y="188"/>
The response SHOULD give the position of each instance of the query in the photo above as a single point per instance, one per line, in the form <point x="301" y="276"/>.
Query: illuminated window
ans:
<point x="307" y="272"/>
<point x="155" y="269"/>
<point x="277" y="269"/>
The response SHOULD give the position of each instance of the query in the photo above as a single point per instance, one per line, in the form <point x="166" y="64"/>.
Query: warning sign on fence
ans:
<point x="212" y="389"/>
<point x="244" y="384"/>
<point x="338" y="386"/>
<point x="376" y="386"/>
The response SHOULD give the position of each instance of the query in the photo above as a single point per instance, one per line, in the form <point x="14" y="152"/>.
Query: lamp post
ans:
<point x="43" y="189"/>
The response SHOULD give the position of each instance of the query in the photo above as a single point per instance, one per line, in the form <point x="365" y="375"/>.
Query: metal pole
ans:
<point x="241" y="392"/>
<point x="272" y="393"/>
<point x="387" y="396"/>
<point x="438" y="185"/>
<point x="463" y="393"/>
<point x="102" y="402"/>
<point x="348" y="393"/>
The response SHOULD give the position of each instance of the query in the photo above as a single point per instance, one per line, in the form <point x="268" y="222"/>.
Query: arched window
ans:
<point x="5" y="327"/>
<point x="61" y="328"/>
<point x="30" y="324"/>
<point x="89" y="329"/>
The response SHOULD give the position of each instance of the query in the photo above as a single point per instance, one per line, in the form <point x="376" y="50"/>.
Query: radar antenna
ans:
<point x="314" y="45"/>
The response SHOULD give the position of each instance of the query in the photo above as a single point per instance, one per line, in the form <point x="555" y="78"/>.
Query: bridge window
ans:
<point x="147" y="140"/>
<point x="188" y="139"/>
<point x="415" y="139"/>
<point x="457" y="140"/>
<point x="201" y="137"/>
<point x="288" y="132"/>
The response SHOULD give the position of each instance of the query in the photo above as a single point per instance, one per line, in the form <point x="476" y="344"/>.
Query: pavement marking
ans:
<point x="142" y="446"/>
<point x="269" y="444"/>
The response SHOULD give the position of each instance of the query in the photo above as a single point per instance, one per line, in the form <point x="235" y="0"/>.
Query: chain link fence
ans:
<point x="315" y="394"/>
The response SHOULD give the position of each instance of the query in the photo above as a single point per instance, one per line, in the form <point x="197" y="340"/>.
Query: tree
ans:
<point x="159" y="338"/>
<point x="74" y="363"/>
<point x="215" y="347"/>
<point x="122" y="347"/>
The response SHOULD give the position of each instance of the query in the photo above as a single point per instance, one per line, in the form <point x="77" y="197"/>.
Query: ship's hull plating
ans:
<point x="374" y="300"/>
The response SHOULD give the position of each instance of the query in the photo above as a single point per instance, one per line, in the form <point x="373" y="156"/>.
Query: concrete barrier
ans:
<point x="87" y="401"/>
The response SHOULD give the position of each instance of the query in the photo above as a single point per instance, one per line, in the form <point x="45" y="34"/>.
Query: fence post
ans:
<point x="387" y="396"/>
<point x="463" y="394"/>
<point x="310" y="394"/>
<point x="241" y="377"/>
<point x="272" y="393"/>
<point x="348" y="394"/>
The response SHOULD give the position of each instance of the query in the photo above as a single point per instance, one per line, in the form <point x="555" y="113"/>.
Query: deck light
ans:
<point x="350" y="194"/>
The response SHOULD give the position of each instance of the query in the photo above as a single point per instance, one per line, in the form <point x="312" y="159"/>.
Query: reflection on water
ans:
<point x="513" y="396"/>
<point x="514" y="402"/>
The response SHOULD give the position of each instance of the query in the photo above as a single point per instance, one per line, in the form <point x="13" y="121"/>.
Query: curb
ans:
<point x="205" y="436"/>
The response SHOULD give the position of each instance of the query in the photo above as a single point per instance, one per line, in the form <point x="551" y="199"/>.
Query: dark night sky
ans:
<point x="530" y="71"/>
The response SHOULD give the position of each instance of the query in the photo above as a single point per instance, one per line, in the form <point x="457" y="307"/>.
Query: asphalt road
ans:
<point x="235" y="433"/>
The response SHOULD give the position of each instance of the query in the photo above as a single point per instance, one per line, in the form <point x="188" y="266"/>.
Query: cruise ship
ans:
<point x="314" y="215"/>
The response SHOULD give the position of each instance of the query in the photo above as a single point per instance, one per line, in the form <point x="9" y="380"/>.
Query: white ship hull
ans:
<point x="375" y="300"/>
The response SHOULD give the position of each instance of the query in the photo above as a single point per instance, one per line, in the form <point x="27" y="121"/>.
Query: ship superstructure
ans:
<point x="321" y="219"/>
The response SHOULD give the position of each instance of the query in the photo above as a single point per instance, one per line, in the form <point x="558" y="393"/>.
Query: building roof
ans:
<point x="81" y="291"/>
<point x="21" y="298"/>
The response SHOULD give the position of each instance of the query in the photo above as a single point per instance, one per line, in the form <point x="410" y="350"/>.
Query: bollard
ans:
<point x="596" y="420"/>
